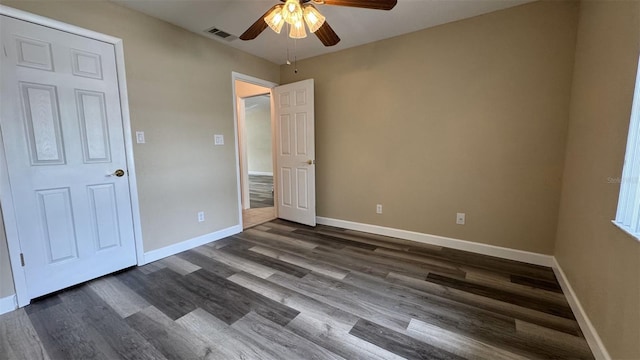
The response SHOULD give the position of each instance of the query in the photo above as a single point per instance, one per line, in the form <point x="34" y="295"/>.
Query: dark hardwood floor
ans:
<point x="285" y="291"/>
<point x="260" y="191"/>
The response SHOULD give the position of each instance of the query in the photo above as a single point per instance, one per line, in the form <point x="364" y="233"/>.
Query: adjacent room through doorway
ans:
<point x="255" y="146"/>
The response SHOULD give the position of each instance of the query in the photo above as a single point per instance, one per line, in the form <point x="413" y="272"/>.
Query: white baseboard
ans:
<point x="485" y="249"/>
<point x="8" y="304"/>
<point x="164" y="252"/>
<point x="593" y="339"/>
<point x="264" y="173"/>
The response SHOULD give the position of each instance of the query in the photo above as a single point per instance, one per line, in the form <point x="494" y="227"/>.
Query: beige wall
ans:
<point x="601" y="262"/>
<point x="258" y="127"/>
<point x="466" y="117"/>
<point x="180" y="94"/>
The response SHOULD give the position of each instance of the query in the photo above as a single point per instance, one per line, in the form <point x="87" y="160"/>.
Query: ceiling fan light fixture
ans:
<point x="275" y="20"/>
<point x="313" y="18"/>
<point x="297" y="30"/>
<point x="292" y="11"/>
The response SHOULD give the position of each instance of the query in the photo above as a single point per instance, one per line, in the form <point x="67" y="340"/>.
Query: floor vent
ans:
<point x="221" y="34"/>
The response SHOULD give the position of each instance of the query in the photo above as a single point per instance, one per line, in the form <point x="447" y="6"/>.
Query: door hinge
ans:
<point x="22" y="259"/>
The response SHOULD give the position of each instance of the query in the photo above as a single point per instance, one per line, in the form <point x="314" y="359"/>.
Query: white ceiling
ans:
<point x="355" y="26"/>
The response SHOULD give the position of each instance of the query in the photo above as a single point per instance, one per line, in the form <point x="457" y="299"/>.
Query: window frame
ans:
<point x="628" y="210"/>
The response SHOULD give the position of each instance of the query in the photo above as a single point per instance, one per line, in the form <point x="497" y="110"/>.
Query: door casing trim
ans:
<point x="6" y="198"/>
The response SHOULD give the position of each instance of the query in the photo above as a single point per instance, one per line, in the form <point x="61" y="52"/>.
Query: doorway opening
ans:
<point x="256" y="152"/>
<point x="257" y="126"/>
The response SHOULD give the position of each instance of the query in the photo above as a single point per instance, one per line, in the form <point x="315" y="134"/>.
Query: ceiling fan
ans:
<point x="295" y="13"/>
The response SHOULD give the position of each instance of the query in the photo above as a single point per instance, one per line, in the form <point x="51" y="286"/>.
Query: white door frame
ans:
<point x="6" y="197"/>
<point x="270" y="85"/>
<point x="242" y="150"/>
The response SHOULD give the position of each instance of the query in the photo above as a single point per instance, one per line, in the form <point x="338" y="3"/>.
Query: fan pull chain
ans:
<point x="295" y="57"/>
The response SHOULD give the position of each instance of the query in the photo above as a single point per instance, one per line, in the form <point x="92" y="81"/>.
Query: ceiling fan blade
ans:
<point x="257" y="28"/>
<point x="327" y="35"/>
<point x="368" y="4"/>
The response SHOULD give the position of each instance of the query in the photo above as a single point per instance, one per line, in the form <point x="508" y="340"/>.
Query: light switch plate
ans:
<point x="218" y="139"/>
<point x="140" y="137"/>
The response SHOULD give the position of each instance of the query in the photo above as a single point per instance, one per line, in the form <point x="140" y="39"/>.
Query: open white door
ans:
<point x="63" y="139"/>
<point x="295" y="152"/>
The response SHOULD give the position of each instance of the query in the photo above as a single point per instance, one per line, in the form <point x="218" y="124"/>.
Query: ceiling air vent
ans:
<point x="221" y="34"/>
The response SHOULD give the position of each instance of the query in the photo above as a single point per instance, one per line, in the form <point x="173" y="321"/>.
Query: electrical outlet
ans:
<point x="218" y="139"/>
<point x="460" y="218"/>
<point x="201" y="216"/>
<point x="378" y="209"/>
<point x="140" y="137"/>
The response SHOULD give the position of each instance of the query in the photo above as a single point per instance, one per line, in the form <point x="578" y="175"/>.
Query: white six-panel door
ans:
<point x="63" y="137"/>
<point x="295" y="158"/>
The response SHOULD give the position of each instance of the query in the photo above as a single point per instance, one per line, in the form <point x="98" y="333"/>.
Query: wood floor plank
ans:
<point x="536" y="304"/>
<point x="314" y="286"/>
<point x="481" y="302"/>
<point x="112" y="331"/>
<point x="330" y="241"/>
<point x="405" y="255"/>
<point x="159" y="292"/>
<point x="180" y="265"/>
<point x="282" y="227"/>
<point x="398" y="343"/>
<point x="236" y="262"/>
<point x="347" y="263"/>
<point x="226" y="342"/>
<point x="536" y="283"/>
<point x="457" y="344"/>
<point x="232" y="297"/>
<point x="564" y="344"/>
<point x="121" y="298"/>
<point x="152" y="267"/>
<point x="361" y="239"/>
<point x="284" y="342"/>
<point x="42" y="303"/>
<point x="479" y="324"/>
<point x="65" y="336"/>
<point x="257" y="240"/>
<point x="417" y="268"/>
<point x="173" y="340"/>
<point x="505" y="265"/>
<point x="388" y="239"/>
<point x="207" y="263"/>
<point x="438" y="260"/>
<point x="288" y="291"/>
<point x="283" y="240"/>
<point x="309" y="238"/>
<point x="427" y="307"/>
<point x="303" y="262"/>
<point x="310" y="306"/>
<point x="325" y="255"/>
<point x="218" y="244"/>
<point x="241" y="249"/>
<point x="338" y="340"/>
<point x="18" y="338"/>
<point x="201" y="295"/>
<point x="506" y="284"/>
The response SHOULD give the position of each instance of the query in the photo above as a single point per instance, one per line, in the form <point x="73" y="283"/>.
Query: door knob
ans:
<point x="118" y="173"/>
<point x="311" y="162"/>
